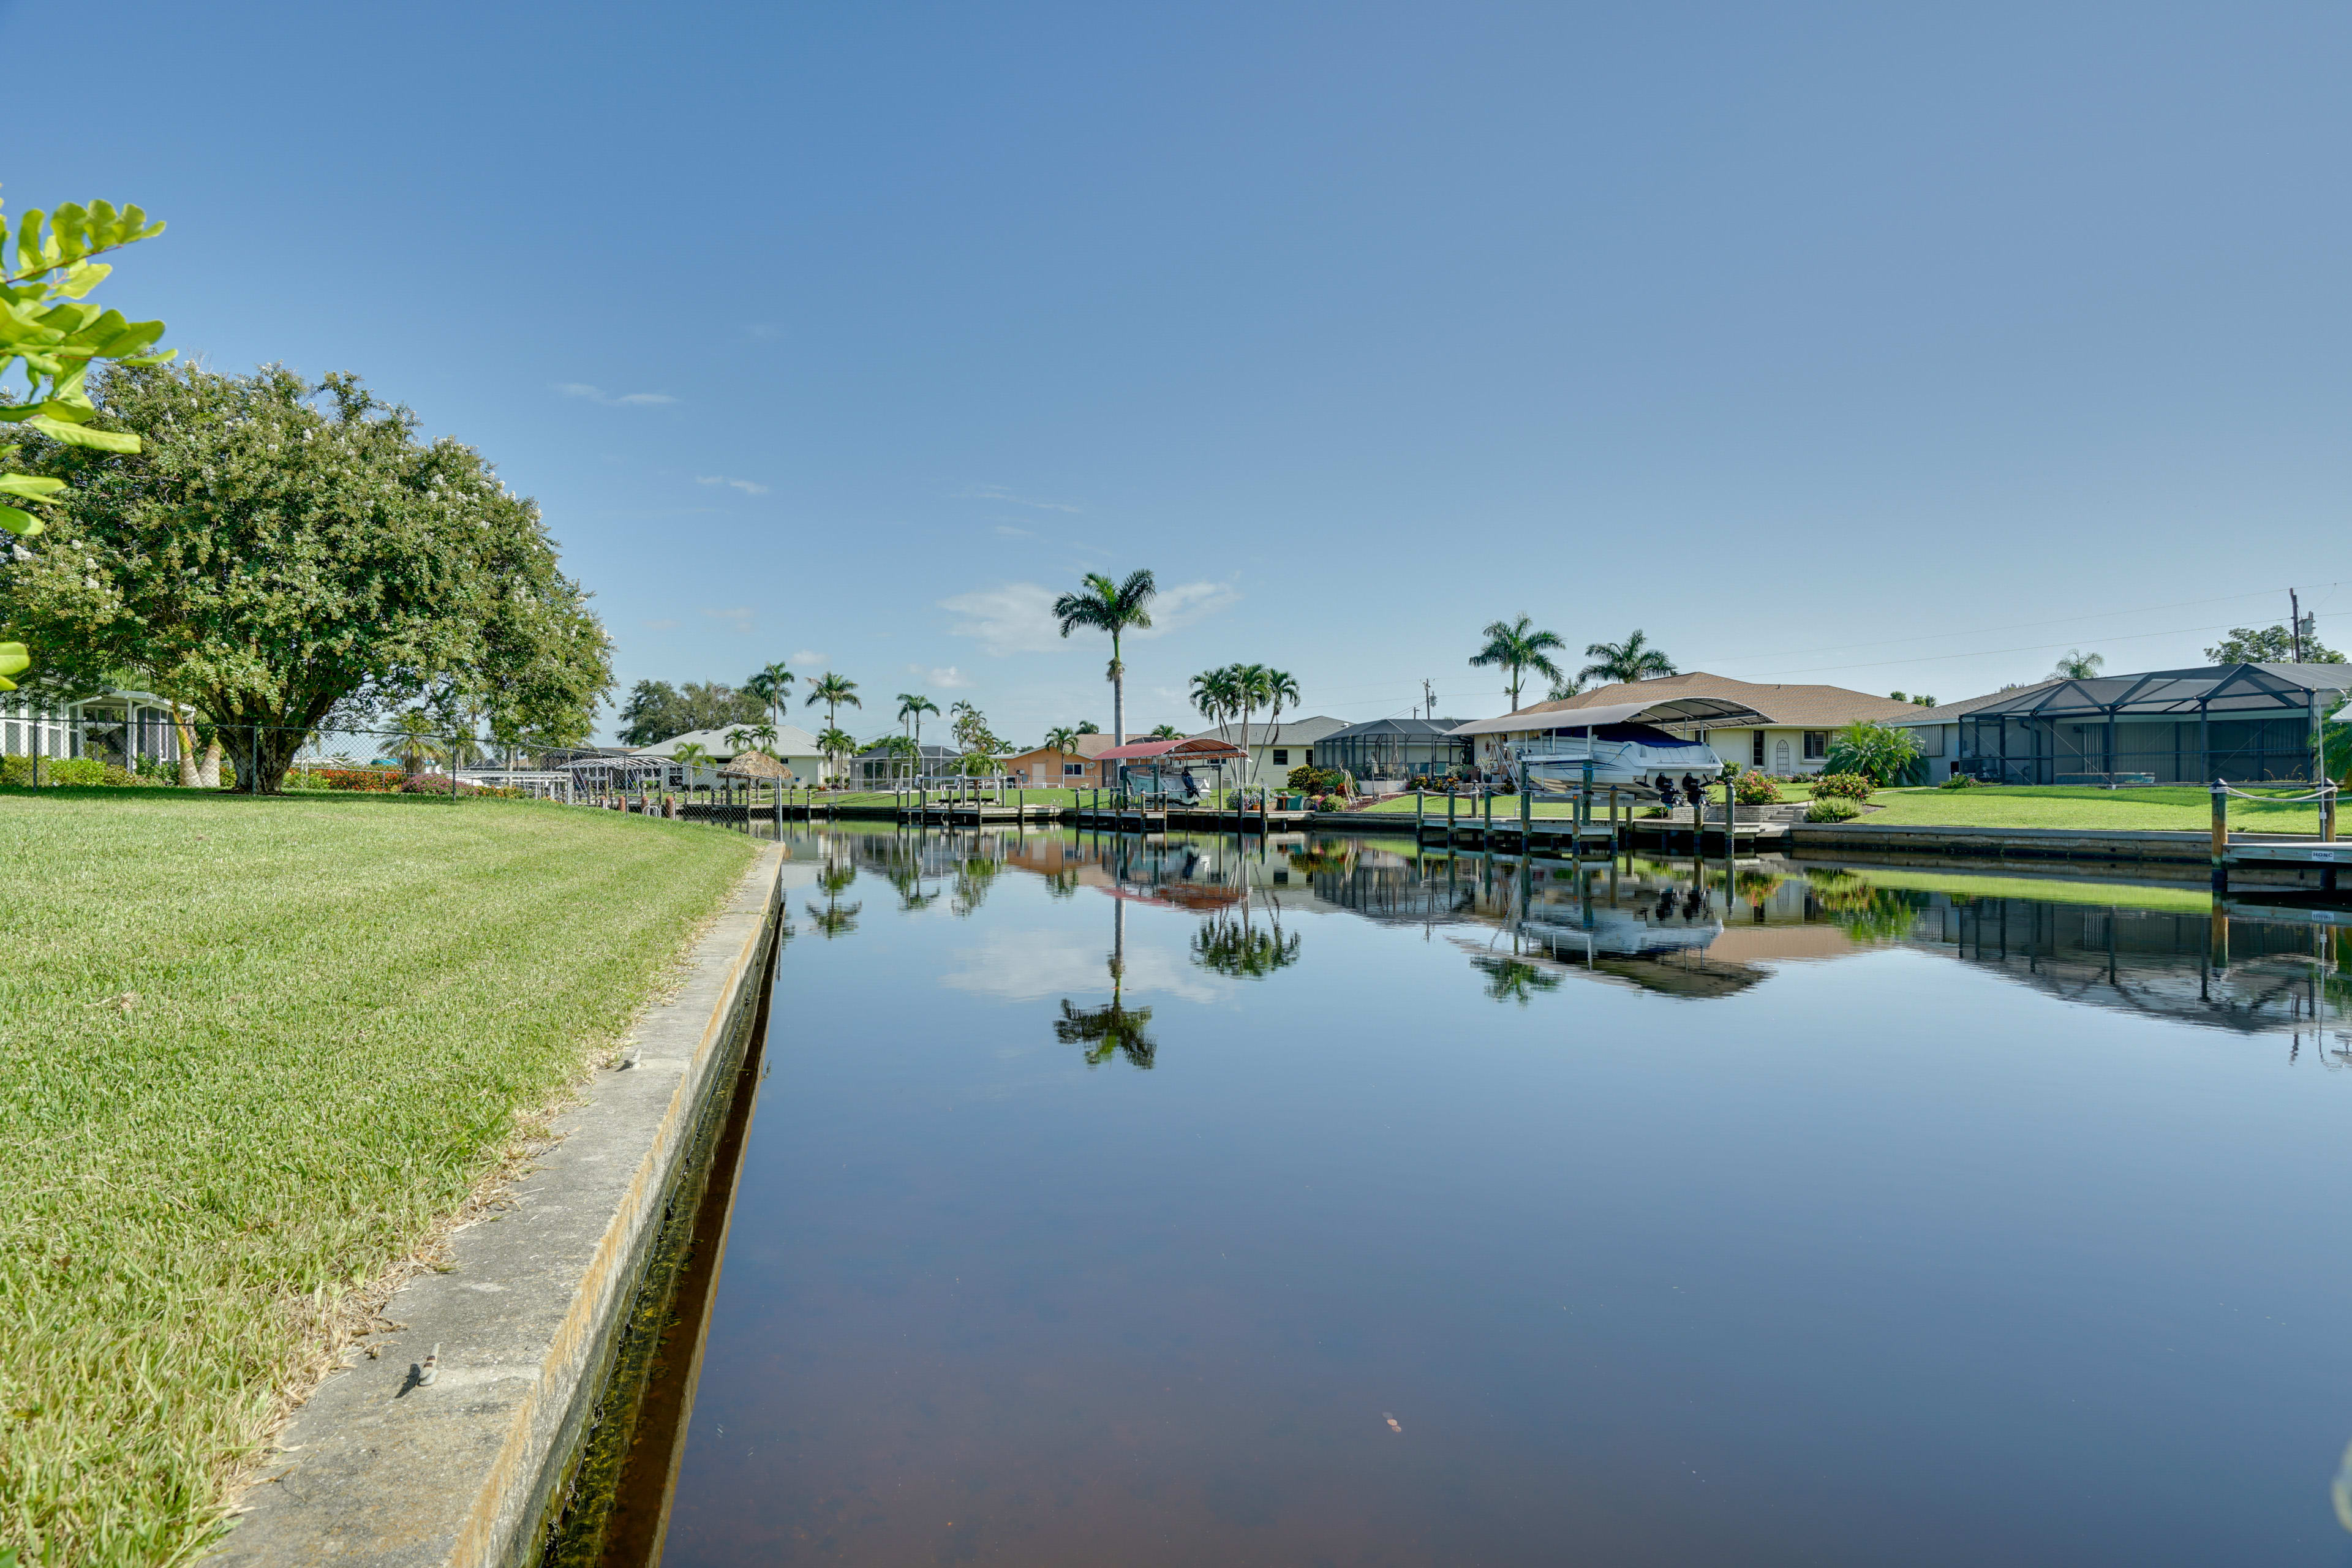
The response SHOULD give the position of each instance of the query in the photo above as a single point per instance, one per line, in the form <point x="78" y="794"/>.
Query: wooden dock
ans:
<point x="978" y="814"/>
<point x="2315" y="854"/>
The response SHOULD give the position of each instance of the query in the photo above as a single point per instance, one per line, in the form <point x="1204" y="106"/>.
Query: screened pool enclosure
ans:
<point x="1394" y="748"/>
<point x="2248" y="723"/>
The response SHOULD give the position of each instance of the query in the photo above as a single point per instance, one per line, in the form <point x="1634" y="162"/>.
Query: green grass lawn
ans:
<point x="253" y="1051"/>
<point x="2184" y="807"/>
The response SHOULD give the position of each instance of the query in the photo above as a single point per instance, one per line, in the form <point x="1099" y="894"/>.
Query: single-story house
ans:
<point x="1052" y="767"/>
<point x="118" y="726"/>
<point x="1788" y="735"/>
<point x="794" y="747"/>
<point x="2250" y="723"/>
<point x="1275" y="748"/>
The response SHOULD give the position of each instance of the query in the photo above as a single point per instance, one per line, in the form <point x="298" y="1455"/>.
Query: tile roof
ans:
<point x="1799" y="707"/>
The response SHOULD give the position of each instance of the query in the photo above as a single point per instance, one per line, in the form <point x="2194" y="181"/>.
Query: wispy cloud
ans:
<point x="749" y="487"/>
<point x="999" y="493"/>
<point x="1189" y="604"/>
<point x="1010" y="531"/>
<point x="740" y="617"/>
<point x="610" y="400"/>
<point x="1033" y="966"/>
<point x="807" y="656"/>
<point x="1016" y="618"/>
<point x="943" y="675"/>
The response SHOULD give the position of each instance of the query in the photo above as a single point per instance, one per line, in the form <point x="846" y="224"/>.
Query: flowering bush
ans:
<point x="1754" y="789"/>
<point x="1957" y="780"/>
<point x="1848" y="786"/>
<point x="370" y="780"/>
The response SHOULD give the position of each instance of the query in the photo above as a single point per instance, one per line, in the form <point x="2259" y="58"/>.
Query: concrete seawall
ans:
<point x="379" y="1469"/>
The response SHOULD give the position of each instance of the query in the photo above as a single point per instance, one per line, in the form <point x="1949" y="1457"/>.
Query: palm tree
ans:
<point x="414" y="746"/>
<point x="1089" y="727"/>
<point x="1167" y="732"/>
<point x="1216" y="696"/>
<point x="2078" y="665"/>
<point x="836" y="743"/>
<point x="1113" y="607"/>
<point x="1635" y="658"/>
<point x="1062" y="739"/>
<point x="914" y="705"/>
<point x="1565" y="688"/>
<point x="833" y="691"/>
<point x="759" y="738"/>
<point x="1517" y="647"/>
<point x="771" y="686"/>
<point x="690" y="756"/>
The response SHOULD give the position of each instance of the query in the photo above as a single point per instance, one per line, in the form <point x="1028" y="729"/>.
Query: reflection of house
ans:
<point x="2247" y="722"/>
<point x="1797" y="722"/>
<point x="1275" y="748"/>
<point x="1079" y="768"/>
<point x="119" y="727"/>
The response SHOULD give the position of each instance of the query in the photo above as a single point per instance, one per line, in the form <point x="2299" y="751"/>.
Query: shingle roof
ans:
<point x="1289" y="732"/>
<point x="1947" y="712"/>
<point x="1802" y="707"/>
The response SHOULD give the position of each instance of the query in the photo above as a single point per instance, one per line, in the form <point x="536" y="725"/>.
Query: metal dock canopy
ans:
<point x="1668" y="713"/>
<point x="2249" y="723"/>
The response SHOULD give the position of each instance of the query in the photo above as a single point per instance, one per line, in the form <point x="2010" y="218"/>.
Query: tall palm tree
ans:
<point x="1281" y="687"/>
<point x="771" y="686"/>
<point x="2078" y="665"/>
<point x="1062" y="739"/>
<point x="1114" y="607"/>
<point x="836" y="743"/>
<point x="1117" y="1027"/>
<point x="1251" y="690"/>
<point x="1635" y="658"/>
<point x="833" y="691"/>
<point x="1518" y="647"/>
<point x="914" y="705"/>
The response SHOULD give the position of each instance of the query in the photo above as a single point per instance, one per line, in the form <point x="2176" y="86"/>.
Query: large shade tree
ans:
<point x="278" y="552"/>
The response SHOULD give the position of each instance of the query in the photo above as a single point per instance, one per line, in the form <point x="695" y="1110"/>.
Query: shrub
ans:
<point x="1957" y="780"/>
<point x="369" y="779"/>
<point x="61" y="772"/>
<point x="436" y="784"/>
<point x="1303" y="778"/>
<point x="1833" y="808"/>
<point x="1879" y="752"/>
<point x="1848" y="786"/>
<point x="1754" y="789"/>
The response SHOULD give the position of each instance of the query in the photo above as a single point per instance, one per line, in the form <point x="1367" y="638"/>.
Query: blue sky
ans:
<point x="1885" y="346"/>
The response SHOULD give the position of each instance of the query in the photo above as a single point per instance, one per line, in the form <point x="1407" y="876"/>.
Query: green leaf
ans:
<point x="14" y="659"/>
<point x="32" y="486"/>
<point x="82" y="435"/>
<point x="23" y="523"/>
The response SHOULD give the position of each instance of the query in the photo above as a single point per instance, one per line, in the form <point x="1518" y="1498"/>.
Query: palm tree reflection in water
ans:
<point x="1114" y="1028"/>
<point x="835" y="919"/>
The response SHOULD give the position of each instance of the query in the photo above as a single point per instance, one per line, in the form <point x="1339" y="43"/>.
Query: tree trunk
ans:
<point x="208" y="770"/>
<point x="191" y="776"/>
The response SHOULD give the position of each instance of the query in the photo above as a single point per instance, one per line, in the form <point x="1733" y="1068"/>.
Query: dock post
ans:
<point x="1486" y="833"/>
<point x="1450" y="798"/>
<point x="2220" y="837"/>
<point x="1419" y="820"/>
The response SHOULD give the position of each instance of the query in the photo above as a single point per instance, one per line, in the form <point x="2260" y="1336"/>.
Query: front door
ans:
<point x="1780" y="758"/>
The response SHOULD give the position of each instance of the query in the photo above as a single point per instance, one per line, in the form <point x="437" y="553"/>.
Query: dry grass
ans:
<point x="256" y="1054"/>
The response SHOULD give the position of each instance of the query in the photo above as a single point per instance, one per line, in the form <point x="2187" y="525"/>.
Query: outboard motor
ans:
<point x="1666" y="795"/>
<point x="1691" y="788"/>
<point x="1693" y="902"/>
<point x="1667" y="904"/>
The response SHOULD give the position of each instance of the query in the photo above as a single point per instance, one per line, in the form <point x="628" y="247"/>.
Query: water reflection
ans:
<point x="1675" y="928"/>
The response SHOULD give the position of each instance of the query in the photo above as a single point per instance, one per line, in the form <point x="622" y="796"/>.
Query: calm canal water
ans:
<point x="1185" y="1203"/>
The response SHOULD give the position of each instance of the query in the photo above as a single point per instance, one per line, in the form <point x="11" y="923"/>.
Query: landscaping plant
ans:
<point x="1879" y="752"/>
<point x="1833" y="808"/>
<point x="1847" y="787"/>
<point x="1754" y="789"/>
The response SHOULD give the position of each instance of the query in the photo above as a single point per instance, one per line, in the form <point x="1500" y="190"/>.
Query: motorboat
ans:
<point x="1561" y="746"/>
<point x="1636" y="759"/>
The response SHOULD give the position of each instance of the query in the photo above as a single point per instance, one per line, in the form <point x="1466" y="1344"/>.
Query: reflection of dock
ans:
<point x="976" y="813"/>
<point x="1565" y="838"/>
<point x="1186" y="819"/>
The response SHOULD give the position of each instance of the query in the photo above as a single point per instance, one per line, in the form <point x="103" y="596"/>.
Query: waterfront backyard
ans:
<point x="1201" y="1200"/>
<point x="256" y="1051"/>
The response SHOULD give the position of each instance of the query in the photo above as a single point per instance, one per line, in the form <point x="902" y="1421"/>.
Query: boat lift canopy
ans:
<point x="1670" y="714"/>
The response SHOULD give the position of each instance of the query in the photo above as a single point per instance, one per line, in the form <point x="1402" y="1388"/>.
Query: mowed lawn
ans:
<point x="252" y="1050"/>
<point x="2182" y="808"/>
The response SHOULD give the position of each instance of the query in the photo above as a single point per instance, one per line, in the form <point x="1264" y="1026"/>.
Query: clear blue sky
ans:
<point x="1886" y="346"/>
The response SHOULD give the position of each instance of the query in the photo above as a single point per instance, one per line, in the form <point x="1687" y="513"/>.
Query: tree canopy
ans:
<point x="657" y="710"/>
<point x="277" y="552"/>
<point x="2273" y="645"/>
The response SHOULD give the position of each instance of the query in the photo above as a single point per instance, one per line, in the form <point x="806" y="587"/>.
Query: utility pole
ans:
<point x="1428" y="698"/>
<point x="2295" y="620"/>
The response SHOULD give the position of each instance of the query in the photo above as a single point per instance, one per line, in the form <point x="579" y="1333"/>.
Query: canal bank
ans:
<point x="451" y="1439"/>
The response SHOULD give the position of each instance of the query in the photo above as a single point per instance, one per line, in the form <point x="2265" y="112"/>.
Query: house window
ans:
<point x="1074" y="770"/>
<point x="1817" y="745"/>
<point x="1931" y="740"/>
<point x="1756" y="748"/>
<point x="1281" y="759"/>
<point x="1282" y="876"/>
